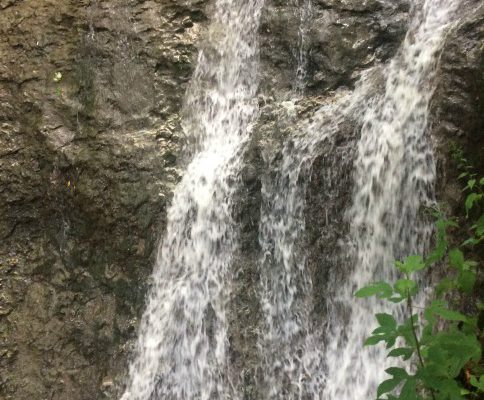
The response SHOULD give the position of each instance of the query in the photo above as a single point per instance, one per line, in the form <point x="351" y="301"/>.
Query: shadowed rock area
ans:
<point x="89" y="159"/>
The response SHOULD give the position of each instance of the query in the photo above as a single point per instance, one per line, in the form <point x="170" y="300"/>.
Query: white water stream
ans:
<point x="291" y="352"/>
<point x="394" y="177"/>
<point x="394" y="174"/>
<point x="182" y="345"/>
<point x="304" y="8"/>
<point x="291" y="346"/>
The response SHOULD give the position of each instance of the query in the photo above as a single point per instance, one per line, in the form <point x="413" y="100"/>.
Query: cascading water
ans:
<point x="290" y="347"/>
<point x="394" y="175"/>
<point x="182" y="344"/>
<point x="305" y="14"/>
<point x="393" y="182"/>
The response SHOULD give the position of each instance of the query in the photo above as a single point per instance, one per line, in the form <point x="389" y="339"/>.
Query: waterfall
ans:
<point x="182" y="347"/>
<point x="181" y="350"/>
<point x="305" y="14"/>
<point x="290" y="347"/>
<point x="394" y="178"/>
<point x="393" y="182"/>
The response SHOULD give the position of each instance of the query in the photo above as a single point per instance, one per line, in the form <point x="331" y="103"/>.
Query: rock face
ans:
<point x="87" y="164"/>
<point x="341" y="39"/>
<point x="89" y="159"/>
<point x="458" y="104"/>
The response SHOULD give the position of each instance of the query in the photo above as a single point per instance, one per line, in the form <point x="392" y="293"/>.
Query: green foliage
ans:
<point x="57" y="78"/>
<point x="442" y="344"/>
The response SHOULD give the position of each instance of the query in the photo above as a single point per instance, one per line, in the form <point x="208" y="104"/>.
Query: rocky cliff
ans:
<point x="87" y="164"/>
<point x="91" y="101"/>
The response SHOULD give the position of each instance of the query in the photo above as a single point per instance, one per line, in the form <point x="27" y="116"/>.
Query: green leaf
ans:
<point x="463" y="175"/>
<point x="405" y="352"/>
<point x="456" y="258"/>
<point x="409" y="390"/>
<point x="479" y="227"/>
<point x="386" y="320"/>
<point x="469" y="264"/>
<point x="471" y="183"/>
<point x="444" y="286"/>
<point x="450" y="315"/>
<point x="440" y="308"/>
<point x="372" y="340"/>
<point x="406" y="287"/>
<point x="381" y="330"/>
<point x="470" y="326"/>
<point x="437" y="253"/>
<point x="391" y="341"/>
<point x="458" y="347"/>
<point x="477" y="383"/>
<point x="449" y="389"/>
<point x="406" y="332"/>
<point x="441" y="243"/>
<point x="397" y="373"/>
<point x="411" y="264"/>
<point x="387" y="386"/>
<point x="379" y="289"/>
<point x="471" y="199"/>
<point x="470" y="242"/>
<point x="481" y="182"/>
<point x="398" y="299"/>
<point x="467" y="280"/>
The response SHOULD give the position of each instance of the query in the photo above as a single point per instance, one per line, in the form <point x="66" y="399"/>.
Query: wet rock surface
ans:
<point x="342" y="38"/>
<point x="88" y="162"/>
<point x="90" y="100"/>
<point x="458" y="102"/>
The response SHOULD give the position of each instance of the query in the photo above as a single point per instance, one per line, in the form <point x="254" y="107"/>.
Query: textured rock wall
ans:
<point x="88" y="164"/>
<point x="343" y="37"/>
<point x="458" y="103"/>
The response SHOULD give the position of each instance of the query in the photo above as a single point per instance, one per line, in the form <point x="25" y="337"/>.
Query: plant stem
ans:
<point x="417" y="343"/>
